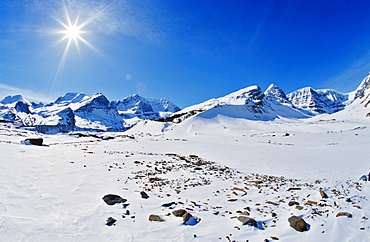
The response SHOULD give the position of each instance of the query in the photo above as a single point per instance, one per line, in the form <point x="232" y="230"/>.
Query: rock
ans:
<point x="245" y="213"/>
<point x="179" y="212"/>
<point x="34" y="141"/>
<point x="110" y="221"/>
<point x="168" y="204"/>
<point x="344" y="214"/>
<point x="272" y="203"/>
<point x="157" y="218"/>
<point x="112" y="199"/>
<point x="291" y="203"/>
<point x="299" y="207"/>
<point x="189" y="219"/>
<point x="310" y="203"/>
<point x="323" y="194"/>
<point x="298" y="223"/>
<point x="186" y="217"/>
<point x="247" y="221"/>
<point x="144" y="195"/>
<point x="294" y="189"/>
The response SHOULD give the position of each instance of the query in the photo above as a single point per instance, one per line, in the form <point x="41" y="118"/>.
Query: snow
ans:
<point x="217" y="165"/>
<point x="54" y="192"/>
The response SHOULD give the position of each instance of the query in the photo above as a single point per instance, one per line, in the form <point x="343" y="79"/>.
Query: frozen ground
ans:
<point x="216" y="169"/>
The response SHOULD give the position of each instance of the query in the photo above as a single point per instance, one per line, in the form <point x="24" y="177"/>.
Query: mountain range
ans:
<point x="79" y="112"/>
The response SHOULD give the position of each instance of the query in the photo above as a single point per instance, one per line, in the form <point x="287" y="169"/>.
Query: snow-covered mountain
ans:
<point x="77" y="111"/>
<point x="253" y="104"/>
<point x="318" y="101"/>
<point x="144" y="108"/>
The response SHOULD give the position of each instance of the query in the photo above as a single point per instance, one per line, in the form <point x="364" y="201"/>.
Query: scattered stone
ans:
<point x="274" y="238"/>
<point x="188" y="219"/>
<point x="112" y="199"/>
<point x="144" y="195"/>
<point x="356" y="206"/>
<point x="292" y="203"/>
<point x="294" y="189"/>
<point x="157" y="218"/>
<point x="245" y="213"/>
<point x="239" y="189"/>
<point x="34" y="141"/>
<point x="310" y="203"/>
<point x="272" y="203"/>
<point x="344" y="214"/>
<point x="256" y="182"/>
<point x="110" y="221"/>
<point x="179" y="212"/>
<point x="232" y="200"/>
<point x="323" y="194"/>
<point x="168" y="204"/>
<point x="247" y="221"/>
<point x="299" y="207"/>
<point x="298" y="223"/>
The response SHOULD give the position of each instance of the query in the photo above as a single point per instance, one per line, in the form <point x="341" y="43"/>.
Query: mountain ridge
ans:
<point x="78" y="111"/>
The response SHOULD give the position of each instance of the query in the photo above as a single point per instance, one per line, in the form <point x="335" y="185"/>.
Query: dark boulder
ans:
<point x="112" y="199"/>
<point x="144" y="195"/>
<point x="110" y="221"/>
<point x="34" y="141"/>
<point x="168" y="204"/>
<point x="298" y="223"/>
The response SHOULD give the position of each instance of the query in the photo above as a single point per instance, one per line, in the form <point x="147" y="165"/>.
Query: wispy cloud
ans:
<point x="7" y="90"/>
<point x="349" y="79"/>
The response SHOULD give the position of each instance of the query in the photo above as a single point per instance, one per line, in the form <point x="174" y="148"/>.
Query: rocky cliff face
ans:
<point x="144" y="108"/>
<point x="318" y="101"/>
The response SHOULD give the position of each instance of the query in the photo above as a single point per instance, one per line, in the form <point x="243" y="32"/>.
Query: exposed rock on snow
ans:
<point x="154" y="217"/>
<point x="248" y="221"/>
<point x="34" y="141"/>
<point x="298" y="223"/>
<point x="179" y="212"/>
<point x="346" y="214"/>
<point x="112" y="199"/>
<point x="110" y="221"/>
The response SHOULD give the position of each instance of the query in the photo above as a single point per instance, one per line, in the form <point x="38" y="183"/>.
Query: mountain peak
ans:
<point x="71" y="97"/>
<point x="15" y="99"/>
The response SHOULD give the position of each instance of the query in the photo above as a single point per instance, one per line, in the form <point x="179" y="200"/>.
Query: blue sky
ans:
<point x="187" y="51"/>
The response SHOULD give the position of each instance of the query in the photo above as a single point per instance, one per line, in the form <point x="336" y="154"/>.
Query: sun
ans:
<point x="72" y="31"/>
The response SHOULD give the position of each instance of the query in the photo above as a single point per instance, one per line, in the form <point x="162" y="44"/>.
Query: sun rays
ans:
<point x="73" y="32"/>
